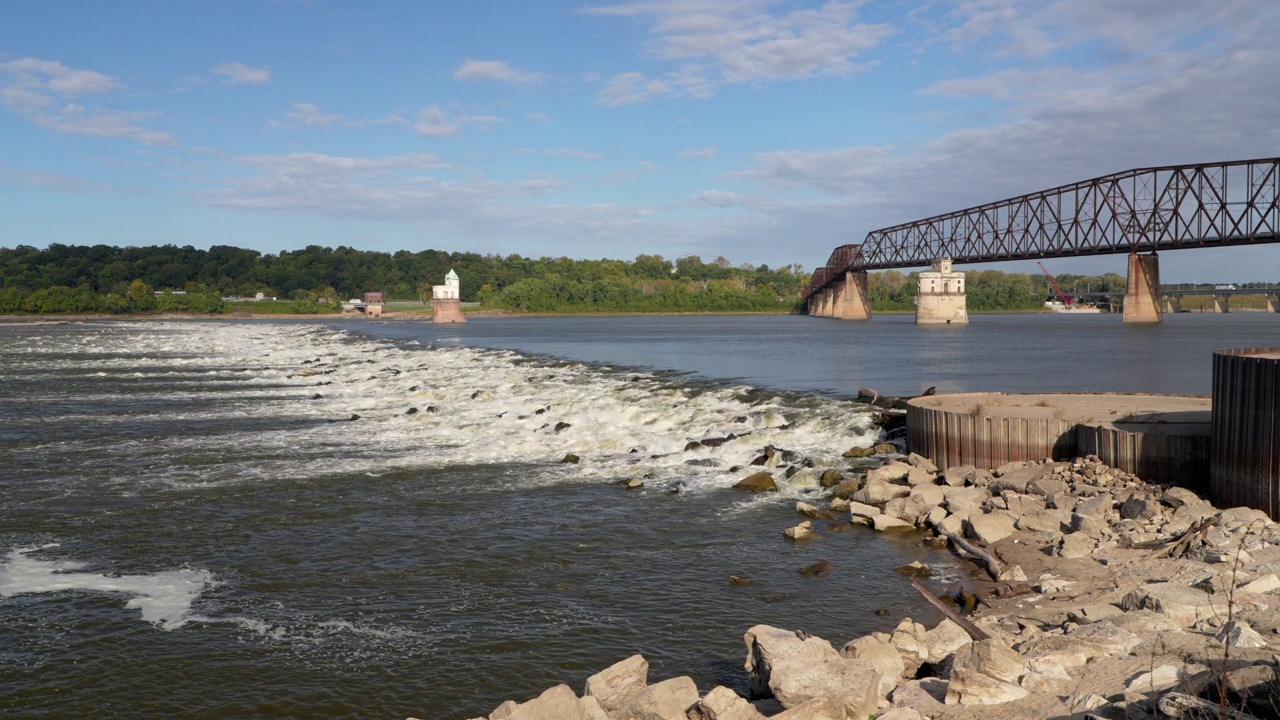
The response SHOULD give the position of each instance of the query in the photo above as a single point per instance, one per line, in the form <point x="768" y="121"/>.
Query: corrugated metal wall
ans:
<point x="1155" y="457"/>
<point x="1245" y="459"/>
<point x="950" y="438"/>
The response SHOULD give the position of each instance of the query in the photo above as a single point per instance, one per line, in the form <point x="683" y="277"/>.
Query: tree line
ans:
<point x="167" y="278"/>
<point x="103" y="278"/>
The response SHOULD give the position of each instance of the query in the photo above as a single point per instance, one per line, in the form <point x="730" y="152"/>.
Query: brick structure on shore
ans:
<point x="446" y="304"/>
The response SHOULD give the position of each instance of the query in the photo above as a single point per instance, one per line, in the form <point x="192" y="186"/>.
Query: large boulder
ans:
<point x="931" y="496"/>
<point x="827" y="707"/>
<point x="944" y="640"/>
<point x="889" y="472"/>
<point x="922" y="462"/>
<point x="667" y="700"/>
<point x="884" y="657"/>
<point x="887" y="522"/>
<point x="986" y="673"/>
<point x="958" y="476"/>
<point x="558" y="703"/>
<point x="990" y="528"/>
<point x="618" y="684"/>
<point x="724" y="704"/>
<point x="878" y="492"/>
<point x="1051" y="521"/>
<point x="960" y="501"/>
<point x="796" y="669"/>
<point x="758" y="482"/>
<point x="857" y="509"/>
<point x="1018" y="480"/>
<point x="1184" y="605"/>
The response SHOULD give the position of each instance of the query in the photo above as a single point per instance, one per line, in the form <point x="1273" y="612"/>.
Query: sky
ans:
<point x="757" y="130"/>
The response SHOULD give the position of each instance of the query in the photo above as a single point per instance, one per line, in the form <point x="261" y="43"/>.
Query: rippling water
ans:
<point x="191" y="523"/>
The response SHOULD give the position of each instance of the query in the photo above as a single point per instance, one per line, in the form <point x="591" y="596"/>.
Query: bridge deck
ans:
<point x="1142" y="210"/>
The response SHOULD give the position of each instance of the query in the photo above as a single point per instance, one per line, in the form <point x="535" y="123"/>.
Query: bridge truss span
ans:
<point x="1143" y="210"/>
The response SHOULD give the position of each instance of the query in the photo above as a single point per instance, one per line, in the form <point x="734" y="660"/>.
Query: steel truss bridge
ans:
<point x="1144" y="210"/>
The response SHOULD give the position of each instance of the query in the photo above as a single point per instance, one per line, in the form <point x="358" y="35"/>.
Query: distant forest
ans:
<point x="101" y="278"/>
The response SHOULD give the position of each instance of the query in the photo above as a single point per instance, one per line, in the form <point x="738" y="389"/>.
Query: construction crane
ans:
<point x="1066" y="301"/>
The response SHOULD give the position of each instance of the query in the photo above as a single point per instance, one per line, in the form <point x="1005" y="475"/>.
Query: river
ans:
<point x="193" y="524"/>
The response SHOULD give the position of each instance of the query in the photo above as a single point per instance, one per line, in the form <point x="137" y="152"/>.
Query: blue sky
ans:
<point x="761" y="131"/>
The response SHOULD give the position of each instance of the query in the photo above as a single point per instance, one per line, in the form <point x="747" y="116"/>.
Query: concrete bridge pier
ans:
<point x="852" y="302"/>
<point x="1221" y="303"/>
<point x="1141" y="298"/>
<point x="828" y="302"/>
<point x="1172" y="303"/>
<point x="1272" y="301"/>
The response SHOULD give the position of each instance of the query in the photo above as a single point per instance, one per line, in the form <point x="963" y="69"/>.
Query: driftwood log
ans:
<point x="974" y="631"/>
<point x="988" y="561"/>
<point x="1180" y="705"/>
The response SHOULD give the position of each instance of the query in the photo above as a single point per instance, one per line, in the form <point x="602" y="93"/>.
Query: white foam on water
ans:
<point x="475" y="407"/>
<point x="163" y="598"/>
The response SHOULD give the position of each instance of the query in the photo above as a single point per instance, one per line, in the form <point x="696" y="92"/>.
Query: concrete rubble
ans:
<point x="1112" y="595"/>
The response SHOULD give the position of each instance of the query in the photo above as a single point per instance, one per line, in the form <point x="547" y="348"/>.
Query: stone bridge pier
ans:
<point x="845" y="299"/>
<point x="1221" y="303"/>
<point x="1273" y="300"/>
<point x="1142" y="295"/>
<point x="1172" y="303"/>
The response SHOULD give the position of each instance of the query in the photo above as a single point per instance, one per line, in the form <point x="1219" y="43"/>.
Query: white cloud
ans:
<point x="706" y="153"/>
<point x="432" y="122"/>
<point x="740" y="41"/>
<point x="411" y="189"/>
<point x="562" y="152"/>
<point x="1195" y="93"/>
<point x="310" y="115"/>
<point x="497" y="70"/>
<point x="718" y="198"/>
<point x="539" y="118"/>
<point x="10" y="175"/>
<point x="46" y="93"/>
<point x="241" y="74"/>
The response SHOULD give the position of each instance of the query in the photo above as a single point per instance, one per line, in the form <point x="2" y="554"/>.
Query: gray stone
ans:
<point x="959" y="475"/>
<point x="1088" y="525"/>
<point x="1045" y="486"/>
<point x="667" y="700"/>
<point x="1095" y="507"/>
<point x="944" y="640"/>
<point x="724" y="704"/>
<point x="922" y="462"/>
<point x="1018" y="504"/>
<point x="1082" y="701"/>
<point x="1075" y="545"/>
<point x="919" y="476"/>
<point x="1237" y="633"/>
<point x="618" y="684"/>
<point x="1018" y="480"/>
<point x="1183" y="605"/>
<point x="1061" y="501"/>
<point x="931" y="496"/>
<point x="926" y="694"/>
<point x="1176" y="497"/>
<point x="885" y="522"/>
<point x="1265" y="584"/>
<point x="799" y="532"/>
<point x="758" y="482"/>
<point x="1161" y="678"/>
<point x="1050" y="521"/>
<point x="884" y="657"/>
<point x="892" y="471"/>
<point x="902" y="713"/>
<point x="986" y="673"/>
<point x="964" y="500"/>
<point x="989" y="529"/>
<point x="878" y="492"/>
<point x="796" y="670"/>
<point x="503" y="711"/>
<point x="827" y="707"/>
<point x="557" y="703"/>
<point x="1142" y="507"/>
<point x="857" y="509"/>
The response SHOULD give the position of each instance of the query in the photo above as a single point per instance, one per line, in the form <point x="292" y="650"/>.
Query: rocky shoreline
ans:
<point x="1107" y="598"/>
